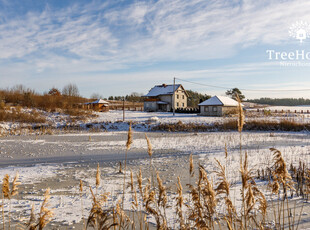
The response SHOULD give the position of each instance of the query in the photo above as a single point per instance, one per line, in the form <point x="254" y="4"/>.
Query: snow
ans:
<point x="204" y="146"/>
<point x="162" y="90"/>
<point x="140" y="116"/>
<point x="291" y="109"/>
<point x="220" y="100"/>
<point x="30" y="175"/>
<point x="143" y="121"/>
<point x="99" y="101"/>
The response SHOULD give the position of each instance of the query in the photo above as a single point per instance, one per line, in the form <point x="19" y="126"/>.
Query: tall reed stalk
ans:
<point x="150" y="153"/>
<point x="9" y="193"/>
<point x="128" y="144"/>
<point x="81" y="198"/>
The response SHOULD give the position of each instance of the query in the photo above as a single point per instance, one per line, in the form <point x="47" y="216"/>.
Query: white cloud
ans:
<point x="165" y="30"/>
<point x="90" y="39"/>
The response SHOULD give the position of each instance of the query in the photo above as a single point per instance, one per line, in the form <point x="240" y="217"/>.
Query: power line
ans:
<point x="254" y="90"/>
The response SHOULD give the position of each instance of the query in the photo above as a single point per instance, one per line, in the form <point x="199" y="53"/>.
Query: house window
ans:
<point x="206" y="109"/>
<point x="182" y="96"/>
<point x="177" y="104"/>
<point x="182" y="104"/>
<point x="214" y="109"/>
<point x="177" y="96"/>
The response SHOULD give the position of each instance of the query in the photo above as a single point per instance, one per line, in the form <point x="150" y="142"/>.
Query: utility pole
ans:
<point x="123" y="108"/>
<point x="173" y="97"/>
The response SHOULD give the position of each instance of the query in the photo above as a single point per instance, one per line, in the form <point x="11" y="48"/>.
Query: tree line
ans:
<point x="281" y="101"/>
<point x="55" y="98"/>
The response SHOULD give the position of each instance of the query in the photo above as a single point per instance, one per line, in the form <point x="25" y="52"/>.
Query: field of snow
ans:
<point x="171" y="152"/>
<point x="290" y="109"/>
<point x="143" y="121"/>
<point x="160" y="117"/>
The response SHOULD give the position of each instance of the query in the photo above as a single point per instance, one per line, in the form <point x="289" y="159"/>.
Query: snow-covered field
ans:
<point x="289" y="109"/>
<point x="60" y="161"/>
<point x="139" y="116"/>
<point x="143" y="121"/>
<point x="171" y="151"/>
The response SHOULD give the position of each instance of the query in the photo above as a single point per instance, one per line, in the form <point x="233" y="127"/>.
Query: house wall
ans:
<point x="150" y="106"/>
<point x="220" y="110"/>
<point x="98" y="107"/>
<point x="166" y="98"/>
<point x="180" y="99"/>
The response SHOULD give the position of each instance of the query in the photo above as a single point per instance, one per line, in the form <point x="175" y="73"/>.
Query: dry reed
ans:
<point x="99" y="218"/>
<point x="149" y="146"/>
<point x="45" y="214"/>
<point x="191" y="165"/>
<point x="97" y="176"/>
<point x="9" y="193"/>
<point x="81" y="195"/>
<point x="128" y="144"/>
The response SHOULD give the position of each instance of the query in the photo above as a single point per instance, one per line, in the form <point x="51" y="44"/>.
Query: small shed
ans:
<point x="98" y="105"/>
<point x="218" y="106"/>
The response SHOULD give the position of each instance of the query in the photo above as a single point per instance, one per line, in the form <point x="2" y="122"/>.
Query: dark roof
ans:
<point x="163" y="89"/>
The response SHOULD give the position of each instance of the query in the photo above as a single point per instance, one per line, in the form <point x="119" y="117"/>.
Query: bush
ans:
<point x="15" y="116"/>
<point x="231" y="125"/>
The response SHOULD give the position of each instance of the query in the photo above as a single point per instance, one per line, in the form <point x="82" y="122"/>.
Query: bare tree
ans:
<point x="71" y="90"/>
<point x="54" y="92"/>
<point x="96" y="96"/>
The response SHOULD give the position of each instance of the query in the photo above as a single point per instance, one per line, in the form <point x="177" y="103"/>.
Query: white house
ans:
<point x="218" y="106"/>
<point x="160" y="98"/>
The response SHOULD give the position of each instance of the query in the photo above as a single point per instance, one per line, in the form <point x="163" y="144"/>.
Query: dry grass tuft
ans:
<point x="31" y="225"/>
<point x="81" y="186"/>
<point x="14" y="185"/>
<point x="139" y="179"/>
<point x="129" y="138"/>
<point x="162" y="197"/>
<point x="98" y="176"/>
<point x="149" y="146"/>
<point x="131" y="181"/>
<point x="7" y="193"/>
<point x="99" y="218"/>
<point x="45" y="214"/>
<point x="280" y="173"/>
<point x="203" y="208"/>
<point x="223" y="185"/>
<point x="191" y="165"/>
<point x="6" y="187"/>
<point x="240" y="114"/>
<point x="179" y="204"/>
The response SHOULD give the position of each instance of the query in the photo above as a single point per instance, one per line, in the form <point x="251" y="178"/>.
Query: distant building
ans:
<point x="98" y="105"/>
<point x="218" y="106"/>
<point x="160" y="98"/>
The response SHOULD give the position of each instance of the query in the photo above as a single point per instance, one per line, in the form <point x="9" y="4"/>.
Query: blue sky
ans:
<point x="118" y="47"/>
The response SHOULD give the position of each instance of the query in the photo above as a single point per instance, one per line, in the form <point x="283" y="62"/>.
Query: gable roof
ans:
<point x="163" y="89"/>
<point x="99" y="101"/>
<point x="220" y="100"/>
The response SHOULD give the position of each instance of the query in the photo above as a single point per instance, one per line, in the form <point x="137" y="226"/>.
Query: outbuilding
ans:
<point x="218" y="106"/>
<point x="98" y="105"/>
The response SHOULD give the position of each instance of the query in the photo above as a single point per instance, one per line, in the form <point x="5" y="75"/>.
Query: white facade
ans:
<point x="160" y="98"/>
